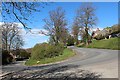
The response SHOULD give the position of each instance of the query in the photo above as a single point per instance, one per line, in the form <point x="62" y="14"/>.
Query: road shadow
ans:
<point x="64" y="72"/>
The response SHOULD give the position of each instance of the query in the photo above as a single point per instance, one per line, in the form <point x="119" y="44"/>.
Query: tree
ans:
<point x="64" y="36"/>
<point x="83" y="36"/>
<point x="17" y="42"/>
<point x="87" y="18"/>
<point x="76" y="30"/>
<point x="10" y="36"/>
<point x="70" y="40"/>
<point x="20" y="11"/>
<point x="56" y="26"/>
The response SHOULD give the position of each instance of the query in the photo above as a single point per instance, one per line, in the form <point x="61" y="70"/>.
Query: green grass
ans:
<point x="112" y="43"/>
<point x="67" y="53"/>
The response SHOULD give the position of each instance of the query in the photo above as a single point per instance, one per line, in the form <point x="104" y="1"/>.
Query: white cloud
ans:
<point x="33" y="34"/>
<point x="1" y="23"/>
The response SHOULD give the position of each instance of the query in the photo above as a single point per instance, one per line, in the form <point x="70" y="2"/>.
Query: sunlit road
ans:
<point x="102" y="61"/>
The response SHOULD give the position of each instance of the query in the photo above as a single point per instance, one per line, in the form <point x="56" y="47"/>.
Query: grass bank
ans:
<point x="112" y="43"/>
<point x="67" y="53"/>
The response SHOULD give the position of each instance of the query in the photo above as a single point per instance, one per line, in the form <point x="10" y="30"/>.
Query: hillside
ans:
<point x="112" y="43"/>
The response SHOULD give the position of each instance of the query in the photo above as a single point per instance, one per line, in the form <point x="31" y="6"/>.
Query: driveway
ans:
<point x="100" y="61"/>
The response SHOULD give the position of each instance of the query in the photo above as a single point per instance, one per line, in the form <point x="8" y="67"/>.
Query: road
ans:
<point x="18" y="65"/>
<point x="101" y="61"/>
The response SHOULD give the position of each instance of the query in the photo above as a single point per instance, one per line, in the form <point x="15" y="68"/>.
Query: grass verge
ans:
<point x="112" y="43"/>
<point x="67" y="53"/>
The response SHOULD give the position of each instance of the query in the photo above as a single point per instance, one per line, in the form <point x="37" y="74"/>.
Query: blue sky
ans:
<point x="106" y="12"/>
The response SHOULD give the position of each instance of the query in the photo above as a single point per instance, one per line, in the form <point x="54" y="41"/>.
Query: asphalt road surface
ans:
<point x="100" y="61"/>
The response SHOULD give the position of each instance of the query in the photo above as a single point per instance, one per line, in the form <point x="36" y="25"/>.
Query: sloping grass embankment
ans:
<point x="112" y="43"/>
<point x="67" y="53"/>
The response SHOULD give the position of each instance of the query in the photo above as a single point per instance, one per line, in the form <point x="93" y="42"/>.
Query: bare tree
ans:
<point x="21" y="11"/>
<point x="10" y="32"/>
<point x="64" y="36"/>
<point x="17" y="42"/>
<point x="56" y="25"/>
<point x="87" y="18"/>
<point x="75" y="30"/>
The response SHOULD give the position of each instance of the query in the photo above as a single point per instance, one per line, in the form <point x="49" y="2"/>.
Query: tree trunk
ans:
<point x="86" y="30"/>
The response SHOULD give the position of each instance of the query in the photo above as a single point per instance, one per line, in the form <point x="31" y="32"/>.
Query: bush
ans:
<point x="52" y="51"/>
<point x="41" y="51"/>
<point x="24" y="54"/>
<point x="115" y="29"/>
<point x="6" y="57"/>
<point x="70" y="41"/>
<point x="37" y="51"/>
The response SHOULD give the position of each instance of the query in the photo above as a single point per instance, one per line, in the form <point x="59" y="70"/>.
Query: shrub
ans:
<point x="24" y="54"/>
<point x="37" y="51"/>
<point x="29" y="50"/>
<point x="70" y="41"/>
<point x="6" y="57"/>
<point x="115" y="29"/>
<point x="52" y="51"/>
<point x="41" y="51"/>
